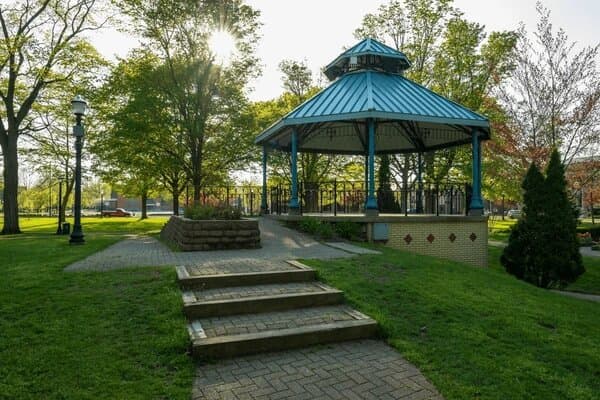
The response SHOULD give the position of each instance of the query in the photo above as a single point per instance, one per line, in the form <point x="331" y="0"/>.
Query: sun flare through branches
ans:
<point x="222" y="45"/>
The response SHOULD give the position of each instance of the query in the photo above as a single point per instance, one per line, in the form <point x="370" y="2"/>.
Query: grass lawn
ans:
<point x="500" y="230"/>
<point x="96" y="224"/>
<point x="88" y="335"/>
<point x="475" y="333"/>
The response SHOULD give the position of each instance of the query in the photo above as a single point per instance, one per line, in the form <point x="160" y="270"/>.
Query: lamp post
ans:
<point x="79" y="108"/>
<point x="102" y="204"/>
<point x="59" y="229"/>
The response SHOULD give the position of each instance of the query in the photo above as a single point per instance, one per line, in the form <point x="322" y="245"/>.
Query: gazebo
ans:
<point x="371" y="108"/>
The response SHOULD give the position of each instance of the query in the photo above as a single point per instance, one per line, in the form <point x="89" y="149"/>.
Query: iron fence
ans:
<point x="344" y="197"/>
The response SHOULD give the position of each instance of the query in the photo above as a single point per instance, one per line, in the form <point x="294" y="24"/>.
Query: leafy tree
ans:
<point x="40" y="46"/>
<point x="208" y="98"/>
<point x="552" y="97"/>
<point x="140" y="143"/>
<point x="543" y="248"/>
<point x="449" y="54"/>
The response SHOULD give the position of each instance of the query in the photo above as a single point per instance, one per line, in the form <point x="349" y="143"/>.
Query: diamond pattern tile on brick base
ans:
<point x="365" y="369"/>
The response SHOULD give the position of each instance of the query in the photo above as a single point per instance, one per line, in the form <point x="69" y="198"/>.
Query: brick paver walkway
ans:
<point x="230" y="293"/>
<point x="366" y="369"/>
<point x="278" y="243"/>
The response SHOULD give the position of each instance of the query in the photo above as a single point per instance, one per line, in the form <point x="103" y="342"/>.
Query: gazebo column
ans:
<point x="366" y="179"/>
<point x="476" y="206"/>
<point x="264" y="208"/>
<point x="371" y="206"/>
<point x="419" y="197"/>
<point x="294" y="205"/>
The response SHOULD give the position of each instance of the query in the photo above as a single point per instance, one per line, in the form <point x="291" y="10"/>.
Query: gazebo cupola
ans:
<point x="368" y="54"/>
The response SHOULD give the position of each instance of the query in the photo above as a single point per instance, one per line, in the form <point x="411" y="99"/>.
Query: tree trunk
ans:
<point x="65" y="200"/>
<point x="144" y="203"/>
<point x="175" y="193"/>
<point x="197" y="184"/>
<point x="11" y="184"/>
<point x="405" y="175"/>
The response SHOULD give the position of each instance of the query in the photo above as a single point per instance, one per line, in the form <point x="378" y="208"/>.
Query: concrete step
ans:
<point x="258" y="298"/>
<point x="290" y="271"/>
<point x="229" y="336"/>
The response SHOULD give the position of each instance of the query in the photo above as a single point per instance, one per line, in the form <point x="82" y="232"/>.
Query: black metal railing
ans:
<point x="344" y="197"/>
<point x="349" y="197"/>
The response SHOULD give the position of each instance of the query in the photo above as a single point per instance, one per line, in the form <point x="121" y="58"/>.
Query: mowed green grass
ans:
<point x="475" y="333"/>
<point x="88" y="335"/>
<point x="499" y="230"/>
<point x="96" y="224"/>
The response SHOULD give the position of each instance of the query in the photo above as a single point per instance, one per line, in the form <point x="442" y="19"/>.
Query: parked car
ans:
<point x="513" y="214"/>
<point x="119" y="212"/>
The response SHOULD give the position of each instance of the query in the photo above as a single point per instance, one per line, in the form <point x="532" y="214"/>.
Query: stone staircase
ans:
<point x="235" y="311"/>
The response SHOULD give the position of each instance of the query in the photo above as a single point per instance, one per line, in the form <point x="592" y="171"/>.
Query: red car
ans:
<point x="119" y="212"/>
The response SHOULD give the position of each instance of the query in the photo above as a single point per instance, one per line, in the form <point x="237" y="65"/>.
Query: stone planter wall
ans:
<point x="190" y="235"/>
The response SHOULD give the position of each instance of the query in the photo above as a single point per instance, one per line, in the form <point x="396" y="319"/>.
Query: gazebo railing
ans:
<point x="337" y="197"/>
<point x="343" y="197"/>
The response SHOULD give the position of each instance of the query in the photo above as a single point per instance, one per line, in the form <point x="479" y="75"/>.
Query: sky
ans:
<point x="317" y="30"/>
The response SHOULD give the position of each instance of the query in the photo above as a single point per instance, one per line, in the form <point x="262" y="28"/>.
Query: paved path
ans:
<point x="577" y="295"/>
<point x="585" y="251"/>
<point x="366" y="369"/>
<point x="278" y="243"/>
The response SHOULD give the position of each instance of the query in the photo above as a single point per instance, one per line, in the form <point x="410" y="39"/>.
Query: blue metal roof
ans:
<point x="409" y="117"/>
<point x="393" y="60"/>
<point x="377" y="92"/>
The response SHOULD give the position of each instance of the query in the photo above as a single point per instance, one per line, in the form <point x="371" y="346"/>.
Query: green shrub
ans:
<point x="325" y="230"/>
<point x="596" y="247"/>
<point x="347" y="229"/>
<point x="309" y="225"/>
<point x="543" y="248"/>
<point x="200" y="212"/>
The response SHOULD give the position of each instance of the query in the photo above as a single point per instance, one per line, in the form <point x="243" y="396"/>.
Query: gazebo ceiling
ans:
<point x="409" y="117"/>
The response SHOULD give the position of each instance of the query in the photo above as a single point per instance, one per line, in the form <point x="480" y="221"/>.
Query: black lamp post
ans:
<point x="79" y="108"/>
<point x="59" y="229"/>
<point x="102" y="204"/>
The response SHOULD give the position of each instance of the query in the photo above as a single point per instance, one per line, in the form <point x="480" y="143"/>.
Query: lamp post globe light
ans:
<point x="79" y="107"/>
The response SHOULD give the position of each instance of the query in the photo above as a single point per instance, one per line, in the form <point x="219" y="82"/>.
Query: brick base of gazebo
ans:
<point x="457" y="238"/>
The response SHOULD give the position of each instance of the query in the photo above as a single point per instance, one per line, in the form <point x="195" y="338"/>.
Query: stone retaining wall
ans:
<point x="191" y="235"/>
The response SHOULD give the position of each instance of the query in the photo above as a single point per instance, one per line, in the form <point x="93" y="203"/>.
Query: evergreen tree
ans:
<point x="563" y="257"/>
<point x="521" y="257"/>
<point x="385" y="196"/>
<point x="543" y="247"/>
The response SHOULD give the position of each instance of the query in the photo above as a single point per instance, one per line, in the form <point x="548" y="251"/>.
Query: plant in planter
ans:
<point x="211" y="228"/>
<point x="204" y="212"/>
